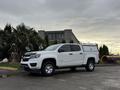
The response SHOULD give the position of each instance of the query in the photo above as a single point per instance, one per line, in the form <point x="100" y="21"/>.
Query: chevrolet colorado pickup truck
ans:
<point x="67" y="55"/>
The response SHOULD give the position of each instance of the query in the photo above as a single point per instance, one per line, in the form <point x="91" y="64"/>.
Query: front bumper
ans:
<point x="31" y="64"/>
<point x="25" y="67"/>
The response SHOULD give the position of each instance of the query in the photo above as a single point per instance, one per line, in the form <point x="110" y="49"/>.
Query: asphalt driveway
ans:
<point x="103" y="78"/>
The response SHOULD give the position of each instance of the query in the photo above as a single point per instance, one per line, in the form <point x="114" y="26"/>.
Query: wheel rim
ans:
<point x="49" y="69"/>
<point x="91" y="66"/>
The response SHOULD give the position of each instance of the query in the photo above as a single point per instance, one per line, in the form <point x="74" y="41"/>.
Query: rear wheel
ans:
<point x="73" y="68"/>
<point x="90" y="66"/>
<point x="48" y="68"/>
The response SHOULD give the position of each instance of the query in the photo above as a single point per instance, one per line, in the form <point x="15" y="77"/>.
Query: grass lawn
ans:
<point x="9" y="66"/>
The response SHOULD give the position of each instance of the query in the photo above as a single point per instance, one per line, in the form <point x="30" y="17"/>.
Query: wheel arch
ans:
<point x="91" y="59"/>
<point x="49" y="59"/>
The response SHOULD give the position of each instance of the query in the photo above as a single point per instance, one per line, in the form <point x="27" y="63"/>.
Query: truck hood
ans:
<point x="39" y="52"/>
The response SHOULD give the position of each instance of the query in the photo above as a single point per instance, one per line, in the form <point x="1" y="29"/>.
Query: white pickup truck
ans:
<point x="67" y="55"/>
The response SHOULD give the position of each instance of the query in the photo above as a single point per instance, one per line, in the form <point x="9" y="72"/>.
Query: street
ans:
<point x="103" y="78"/>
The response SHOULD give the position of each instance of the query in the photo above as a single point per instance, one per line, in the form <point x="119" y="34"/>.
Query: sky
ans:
<point x="95" y="21"/>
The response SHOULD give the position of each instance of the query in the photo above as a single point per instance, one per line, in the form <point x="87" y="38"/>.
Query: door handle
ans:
<point x="81" y="53"/>
<point x="70" y="53"/>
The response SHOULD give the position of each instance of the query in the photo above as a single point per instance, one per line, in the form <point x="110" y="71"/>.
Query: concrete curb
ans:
<point x="103" y="65"/>
<point x="8" y="68"/>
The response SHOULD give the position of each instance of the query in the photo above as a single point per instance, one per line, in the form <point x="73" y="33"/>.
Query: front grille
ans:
<point x="24" y="65"/>
<point x="27" y="55"/>
<point x="25" y="59"/>
<point x="33" y="64"/>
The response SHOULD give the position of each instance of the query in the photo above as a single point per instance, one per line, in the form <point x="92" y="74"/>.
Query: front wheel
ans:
<point x="48" y="68"/>
<point x="90" y="66"/>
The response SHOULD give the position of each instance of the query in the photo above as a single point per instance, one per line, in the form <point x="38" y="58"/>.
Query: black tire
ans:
<point x="73" y="68"/>
<point x="90" y="66"/>
<point x="48" y="68"/>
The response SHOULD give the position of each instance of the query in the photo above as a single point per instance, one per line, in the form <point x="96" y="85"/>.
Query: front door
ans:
<point x="65" y="56"/>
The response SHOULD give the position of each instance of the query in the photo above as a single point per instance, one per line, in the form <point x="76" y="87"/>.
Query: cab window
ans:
<point x="75" y="48"/>
<point x="65" y="48"/>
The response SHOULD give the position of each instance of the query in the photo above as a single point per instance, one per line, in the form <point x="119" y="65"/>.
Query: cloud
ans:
<point x="91" y="20"/>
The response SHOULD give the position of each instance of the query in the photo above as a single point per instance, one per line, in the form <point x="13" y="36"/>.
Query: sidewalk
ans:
<point x="7" y="71"/>
<point x="102" y="65"/>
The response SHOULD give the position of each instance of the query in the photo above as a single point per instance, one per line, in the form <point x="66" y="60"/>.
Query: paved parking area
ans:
<point x="103" y="78"/>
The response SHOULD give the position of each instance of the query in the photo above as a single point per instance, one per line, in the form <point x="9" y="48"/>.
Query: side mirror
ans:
<point x="60" y="50"/>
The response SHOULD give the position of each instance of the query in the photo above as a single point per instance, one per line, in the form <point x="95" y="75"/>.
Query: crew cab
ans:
<point x="67" y="55"/>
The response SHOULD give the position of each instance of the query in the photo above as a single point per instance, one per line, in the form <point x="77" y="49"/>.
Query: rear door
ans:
<point x="77" y="54"/>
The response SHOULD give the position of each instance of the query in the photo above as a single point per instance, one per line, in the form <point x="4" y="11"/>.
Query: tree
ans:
<point x="63" y="41"/>
<point x="26" y="37"/>
<point x="55" y="42"/>
<point x="71" y="41"/>
<point x="7" y="39"/>
<point x="103" y="50"/>
<point x="17" y="39"/>
<point x="8" y="28"/>
<point x="46" y="41"/>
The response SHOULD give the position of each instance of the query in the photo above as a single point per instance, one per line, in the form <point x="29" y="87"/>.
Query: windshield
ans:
<point x="52" y="48"/>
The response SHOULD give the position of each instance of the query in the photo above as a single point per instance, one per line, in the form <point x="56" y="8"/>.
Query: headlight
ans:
<point x="35" y="56"/>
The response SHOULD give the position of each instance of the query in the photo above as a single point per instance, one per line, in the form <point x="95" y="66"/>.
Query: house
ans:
<point x="65" y="35"/>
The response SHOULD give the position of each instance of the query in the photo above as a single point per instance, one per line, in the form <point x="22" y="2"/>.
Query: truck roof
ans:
<point x="84" y="44"/>
<point x="89" y="44"/>
<point x="68" y="43"/>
